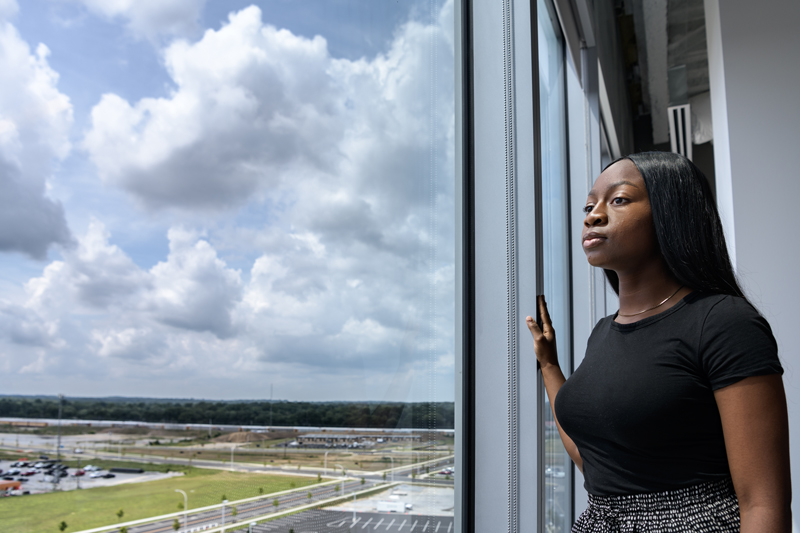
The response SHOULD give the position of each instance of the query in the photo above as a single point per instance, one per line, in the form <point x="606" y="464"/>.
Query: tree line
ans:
<point x="439" y="415"/>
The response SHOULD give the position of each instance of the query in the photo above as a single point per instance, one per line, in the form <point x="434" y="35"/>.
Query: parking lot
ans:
<point x="327" y="521"/>
<point x="424" y="500"/>
<point x="38" y="482"/>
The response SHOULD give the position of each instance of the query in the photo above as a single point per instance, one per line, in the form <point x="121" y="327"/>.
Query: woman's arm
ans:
<point x="756" y="428"/>
<point x="544" y="344"/>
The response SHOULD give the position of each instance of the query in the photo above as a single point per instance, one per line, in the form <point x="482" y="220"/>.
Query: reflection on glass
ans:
<point x="246" y="205"/>
<point x="558" y="471"/>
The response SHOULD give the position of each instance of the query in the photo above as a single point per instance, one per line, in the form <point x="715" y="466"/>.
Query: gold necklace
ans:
<point x="651" y="308"/>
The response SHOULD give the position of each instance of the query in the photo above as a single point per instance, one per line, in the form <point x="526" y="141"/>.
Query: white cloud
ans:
<point x="194" y="289"/>
<point x="258" y="109"/>
<point x="35" y="119"/>
<point x="8" y="8"/>
<point x="151" y="19"/>
<point x="23" y="326"/>
<point x="93" y="275"/>
<point x="137" y="344"/>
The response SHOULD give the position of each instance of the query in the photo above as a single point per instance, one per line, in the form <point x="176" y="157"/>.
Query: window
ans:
<point x="222" y="203"/>
<point x="556" y="255"/>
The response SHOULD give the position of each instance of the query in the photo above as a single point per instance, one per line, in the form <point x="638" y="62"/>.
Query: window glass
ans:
<point x="558" y="468"/>
<point x="227" y="238"/>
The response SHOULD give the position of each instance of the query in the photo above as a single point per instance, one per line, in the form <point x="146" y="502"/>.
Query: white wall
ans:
<point x="755" y="85"/>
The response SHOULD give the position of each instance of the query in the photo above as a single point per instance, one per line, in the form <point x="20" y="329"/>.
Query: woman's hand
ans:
<point x="544" y="339"/>
<point x="544" y="344"/>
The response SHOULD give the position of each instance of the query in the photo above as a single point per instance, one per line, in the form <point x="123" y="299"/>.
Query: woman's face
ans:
<point x="618" y="232"/>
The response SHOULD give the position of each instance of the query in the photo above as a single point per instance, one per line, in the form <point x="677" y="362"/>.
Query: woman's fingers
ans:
<point x="544" y="337"/>
<point x="533" y="326"/>
<point x="547" y="324"/>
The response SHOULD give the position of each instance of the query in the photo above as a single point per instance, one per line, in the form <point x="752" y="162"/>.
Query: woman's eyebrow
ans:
<point x="614" y="186"/>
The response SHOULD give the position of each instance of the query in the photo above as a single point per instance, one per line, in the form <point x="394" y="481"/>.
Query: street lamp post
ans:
<point x="232" y="448"/>
<point x="344" y="473"/>
<point x="326" y="463"/>
<point x="223" y="513"/>
<point x="392" y="459"/>
<point x="185" y="508"/>
<point x="252" y="525"/>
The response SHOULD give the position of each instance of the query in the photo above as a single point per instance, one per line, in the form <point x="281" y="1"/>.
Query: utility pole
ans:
<point x="58" y="443"/>
<point x="270" y="406"/>
<point x="209" y="428"/>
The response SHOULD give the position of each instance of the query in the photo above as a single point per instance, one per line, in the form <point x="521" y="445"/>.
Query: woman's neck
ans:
<point x="641" y="292"/>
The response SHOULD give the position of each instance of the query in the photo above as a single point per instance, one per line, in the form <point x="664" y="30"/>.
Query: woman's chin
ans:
<point x="596" y="260"/>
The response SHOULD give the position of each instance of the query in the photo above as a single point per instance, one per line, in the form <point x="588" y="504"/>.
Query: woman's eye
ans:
<point x="588" y="209"/>
<point x="618" y="201"/>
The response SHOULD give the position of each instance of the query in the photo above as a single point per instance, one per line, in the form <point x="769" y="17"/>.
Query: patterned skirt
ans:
<point x="704" y="508"/>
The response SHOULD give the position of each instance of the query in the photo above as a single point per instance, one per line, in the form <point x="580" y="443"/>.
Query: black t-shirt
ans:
<point x="641" y="406"/>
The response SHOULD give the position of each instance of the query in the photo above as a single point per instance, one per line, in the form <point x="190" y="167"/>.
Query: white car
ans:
<point x="96" y="474"/>
<point x="91" y="468"/>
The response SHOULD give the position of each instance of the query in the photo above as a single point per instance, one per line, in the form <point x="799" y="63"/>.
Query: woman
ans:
<point x="677" y="414"/>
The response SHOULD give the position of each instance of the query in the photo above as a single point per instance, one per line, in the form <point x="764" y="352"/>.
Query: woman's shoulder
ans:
<point x="723" y="307"/>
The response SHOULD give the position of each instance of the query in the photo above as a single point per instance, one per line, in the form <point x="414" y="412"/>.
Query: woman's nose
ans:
<point x="593" y="218"/>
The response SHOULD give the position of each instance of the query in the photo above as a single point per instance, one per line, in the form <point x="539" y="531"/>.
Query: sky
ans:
<point x="201" y="199"/>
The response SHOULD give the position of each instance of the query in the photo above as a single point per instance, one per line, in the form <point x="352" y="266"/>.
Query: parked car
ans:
<point x="43" y="457"/>
<point x="108" y="475"/>
<point x="96" y="474"/>
<point x="28" y="473"/>
<point x="79" y="472"/>
<point x="92" y="468"/>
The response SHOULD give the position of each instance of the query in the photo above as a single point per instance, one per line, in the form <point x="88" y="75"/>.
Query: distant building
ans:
<point x="352" y="440"/>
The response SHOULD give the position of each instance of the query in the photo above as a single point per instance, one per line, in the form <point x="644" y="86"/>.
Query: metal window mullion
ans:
<point x="465" y="187"/>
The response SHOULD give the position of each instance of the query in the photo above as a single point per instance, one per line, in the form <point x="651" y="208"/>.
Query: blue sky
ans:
<point x="203" y="198"/>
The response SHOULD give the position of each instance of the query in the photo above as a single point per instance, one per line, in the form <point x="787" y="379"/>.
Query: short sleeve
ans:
<point x="736" y="343"/>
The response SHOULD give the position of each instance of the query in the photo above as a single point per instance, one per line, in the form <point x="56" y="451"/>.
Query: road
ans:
<point x="252" y="509"/>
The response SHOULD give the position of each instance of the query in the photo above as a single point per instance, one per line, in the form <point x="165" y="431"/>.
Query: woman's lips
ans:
<point x="592" y="240"/>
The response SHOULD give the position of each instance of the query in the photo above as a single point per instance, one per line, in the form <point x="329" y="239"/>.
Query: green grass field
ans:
<point x="89" y="508"/>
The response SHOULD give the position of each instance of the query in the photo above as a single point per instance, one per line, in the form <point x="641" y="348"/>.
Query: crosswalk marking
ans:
<point x="390" y="524"/>
<point x="425" y="527"/>
<point x="356" y="521"/>
<point x="449" y="527"/>
<point x="437" y="527"/>
<point x="413" y="525"/>
<point x="379" y="523"/>
<point x="401" y="525"/>
<point x="365" y="525"/>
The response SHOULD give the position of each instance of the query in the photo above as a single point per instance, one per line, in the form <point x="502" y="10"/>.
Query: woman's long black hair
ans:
<point x="687" y="223"/>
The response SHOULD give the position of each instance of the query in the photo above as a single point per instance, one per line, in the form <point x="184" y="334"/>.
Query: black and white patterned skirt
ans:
<point x="710" y="507"/>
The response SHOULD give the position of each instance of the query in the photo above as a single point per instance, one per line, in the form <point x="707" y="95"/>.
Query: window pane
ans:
<point x="558" y="470"/>
<point x="232" y="223"/>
